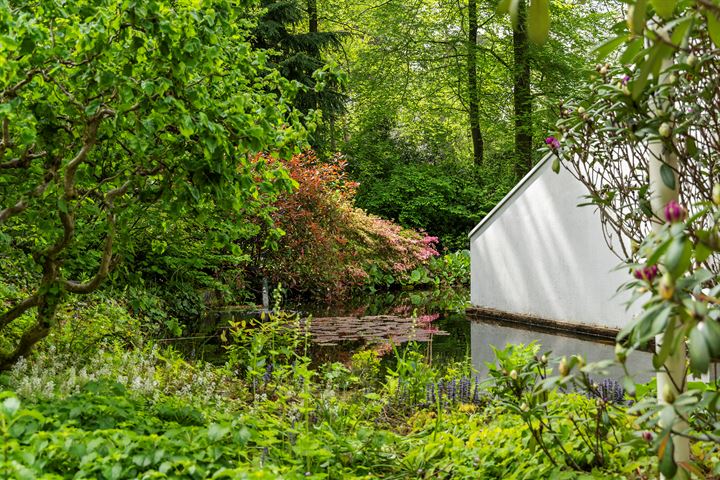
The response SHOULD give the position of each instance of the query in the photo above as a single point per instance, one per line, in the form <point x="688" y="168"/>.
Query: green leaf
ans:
<point x="668" y="176"/>
<point x="62" y="205"/>
<point x="503" y="7"/>
<point x="632" y="50"/>
<point x="699" y="350"/>
<point x="664" y="8"/>
<point x="539" y="20"/>
<point x="659" y="251"/>
<point x="702" y="252"/>
<point x="217" y="432"/>
<point x="638" y="18"/>
<point x="666" y="347"/>
<point x="10" y="406"/>
<point x="691" y="146"/>
<point x="680" y="30"/>
<point x="712" y="336"/>
<point x="713" y="27"/>
<point x="606" y="48"/>
<point x="678" y="257"/>
<point x="667" y="462"/>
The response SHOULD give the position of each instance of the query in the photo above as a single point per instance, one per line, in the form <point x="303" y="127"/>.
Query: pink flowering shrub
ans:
<point x="329" y="246"/>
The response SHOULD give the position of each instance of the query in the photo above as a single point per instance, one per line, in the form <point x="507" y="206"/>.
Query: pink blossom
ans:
<point x="674" y="212"/>
<point x="552" y="142"/>
<point x="646" y="273"/>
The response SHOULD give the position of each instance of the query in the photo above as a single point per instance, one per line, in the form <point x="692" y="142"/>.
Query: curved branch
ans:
<point x="103" y="270"/>
<point x="22" y="204"/>
<point x="32" y="336"/>
<point x="18" y="310"/>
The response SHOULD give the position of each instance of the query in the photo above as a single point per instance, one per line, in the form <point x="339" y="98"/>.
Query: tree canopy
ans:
<point x="119" y="114"/>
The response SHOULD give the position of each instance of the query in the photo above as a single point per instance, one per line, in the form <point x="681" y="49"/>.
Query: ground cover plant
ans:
<point x="270" y="413"/>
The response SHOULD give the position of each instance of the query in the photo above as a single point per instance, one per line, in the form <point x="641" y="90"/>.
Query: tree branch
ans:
<point x="106" y="259"/>
<point x="22" y="204"/>
<point x="18" y="310"/>
<point x="103" y="270"/>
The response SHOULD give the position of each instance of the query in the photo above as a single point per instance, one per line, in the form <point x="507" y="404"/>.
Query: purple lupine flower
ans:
<point x="268" y="374"/>
<point x="430" y="393"/>
<point x="608" y="390"/>
<point x="646" y="273"/>
<point x="465" y="390"/>
<point x="674" y="212"/>
<point x="552" y="142"/>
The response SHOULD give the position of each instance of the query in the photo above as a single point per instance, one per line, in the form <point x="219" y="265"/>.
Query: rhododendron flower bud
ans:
<point x="674" y="212"/>
<point x="620" y="353"/>
<point x="646" y="273"/>
<point x="647" y="436"/>
<point x="552" y="142"/>
<point x="524" y="407"/>
<point x="668" y="394"/>
<point x="513" y="374"/>
<point x="667" y="286"/>
<point x="665" y="130"/>
<point x="716" y="194"/>
<point x="563" y="367"/>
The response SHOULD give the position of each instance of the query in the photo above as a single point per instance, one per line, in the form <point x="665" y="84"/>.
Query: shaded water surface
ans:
<point x="435" y="320"/>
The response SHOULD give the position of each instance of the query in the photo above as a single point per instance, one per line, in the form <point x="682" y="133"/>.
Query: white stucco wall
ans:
<point x="540" y="254"/>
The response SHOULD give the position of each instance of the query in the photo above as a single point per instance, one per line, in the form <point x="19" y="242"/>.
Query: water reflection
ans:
<point x="487" y="333"/>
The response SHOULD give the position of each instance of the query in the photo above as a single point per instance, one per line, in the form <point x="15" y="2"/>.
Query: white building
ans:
<point x="539" y="258"/>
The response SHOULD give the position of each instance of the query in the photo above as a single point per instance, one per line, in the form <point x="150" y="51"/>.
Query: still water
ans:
<point x="487" y="333"/>
<point x="437" y="321"/>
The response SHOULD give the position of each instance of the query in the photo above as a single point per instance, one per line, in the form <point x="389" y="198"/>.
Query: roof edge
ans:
<point x="511" y="194"/>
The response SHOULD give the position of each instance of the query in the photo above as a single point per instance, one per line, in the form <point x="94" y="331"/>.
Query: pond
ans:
<point x="436" y="320"/>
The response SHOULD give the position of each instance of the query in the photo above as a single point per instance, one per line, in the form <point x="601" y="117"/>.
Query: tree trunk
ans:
<point x="312" y="16"/>
<point x="475" y="133"/>
<point x="521" y="93"/>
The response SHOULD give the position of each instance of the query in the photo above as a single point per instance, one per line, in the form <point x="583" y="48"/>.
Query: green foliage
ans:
<point x="655" y="97"/>
<point x="445" y="199"/>
<point x="300" y="428"/>
<point x="116" y="117"/>
<point x="296" y="53"/>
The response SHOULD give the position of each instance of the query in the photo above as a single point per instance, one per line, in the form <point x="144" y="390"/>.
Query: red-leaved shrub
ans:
<point x="329" y="246"/>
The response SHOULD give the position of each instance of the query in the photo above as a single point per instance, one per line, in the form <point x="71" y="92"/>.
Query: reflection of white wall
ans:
<point x="484" y="336"/>
<point x="540" y="254"/>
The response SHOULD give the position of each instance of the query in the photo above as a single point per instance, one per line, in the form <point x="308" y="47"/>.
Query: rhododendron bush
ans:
<point x="330" y="247"/>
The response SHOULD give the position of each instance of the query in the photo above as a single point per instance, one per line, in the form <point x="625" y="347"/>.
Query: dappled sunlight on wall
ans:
<point x="540" y="254"/>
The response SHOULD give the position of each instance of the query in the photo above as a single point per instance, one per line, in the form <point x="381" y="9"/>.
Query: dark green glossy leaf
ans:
<point x="668" y="176"/>
<point x="678" y="257"/>
<point x="699" y="349"/>
<point x="667" y="464"/>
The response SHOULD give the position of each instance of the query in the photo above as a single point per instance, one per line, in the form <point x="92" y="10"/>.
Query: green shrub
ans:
<point x="445" y="199"/>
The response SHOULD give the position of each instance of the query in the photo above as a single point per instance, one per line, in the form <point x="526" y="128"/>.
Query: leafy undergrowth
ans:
<point x="147" y="413"/>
